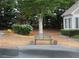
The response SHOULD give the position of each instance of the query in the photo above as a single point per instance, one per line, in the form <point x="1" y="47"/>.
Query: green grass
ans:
<point x="76" y="36"/>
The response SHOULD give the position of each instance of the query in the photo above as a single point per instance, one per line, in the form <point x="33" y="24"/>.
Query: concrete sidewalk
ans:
<point x="49" y="47"/>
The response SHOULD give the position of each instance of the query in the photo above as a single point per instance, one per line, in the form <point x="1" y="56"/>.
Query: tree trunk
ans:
<point x="40" y="25"/>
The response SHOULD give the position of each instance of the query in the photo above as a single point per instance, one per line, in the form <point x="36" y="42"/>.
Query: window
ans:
<point x="70" y="22"/>
<point x="65" y="23"/>
<point x="77" y="22"/>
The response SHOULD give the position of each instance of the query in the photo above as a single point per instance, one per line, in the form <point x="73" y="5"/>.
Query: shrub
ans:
<point x="69" y="32"/>
<point x="22" y="29"/>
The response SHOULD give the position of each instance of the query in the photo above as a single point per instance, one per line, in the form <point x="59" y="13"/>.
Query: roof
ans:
<point x="71" y="9"/>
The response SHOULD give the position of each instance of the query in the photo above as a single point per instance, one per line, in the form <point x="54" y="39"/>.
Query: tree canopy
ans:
<point x="29" y="7"/>
<point x="6" y="15"/>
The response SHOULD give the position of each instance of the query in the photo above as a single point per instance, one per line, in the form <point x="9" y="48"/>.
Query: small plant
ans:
<point x="22" y="28"/>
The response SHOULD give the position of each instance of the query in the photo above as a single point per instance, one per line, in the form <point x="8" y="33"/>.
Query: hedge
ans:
<point x="75" y="36"/>
<point x="69" y="32"/>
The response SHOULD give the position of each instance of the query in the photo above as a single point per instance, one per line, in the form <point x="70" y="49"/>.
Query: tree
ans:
<point x="41" y="7"/>
<point x="6" y="14"/>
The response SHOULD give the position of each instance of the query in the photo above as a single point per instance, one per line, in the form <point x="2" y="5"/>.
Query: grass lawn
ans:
<point x="76" y="36"/>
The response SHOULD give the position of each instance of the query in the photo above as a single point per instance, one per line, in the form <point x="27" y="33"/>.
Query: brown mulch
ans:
<point x="11" y="39"/>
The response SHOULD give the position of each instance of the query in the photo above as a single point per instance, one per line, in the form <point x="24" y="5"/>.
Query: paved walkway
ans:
<point x="10" y="39"/>
<point x="40" y="51"/>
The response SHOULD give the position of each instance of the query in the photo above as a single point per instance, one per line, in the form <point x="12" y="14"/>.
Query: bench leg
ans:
<point x="55" y="42"/>
<point x="50" y="42"/>
<point x="35" y="41"/>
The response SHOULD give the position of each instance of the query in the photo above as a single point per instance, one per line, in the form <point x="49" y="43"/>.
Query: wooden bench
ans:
<point x="44" y="37"/>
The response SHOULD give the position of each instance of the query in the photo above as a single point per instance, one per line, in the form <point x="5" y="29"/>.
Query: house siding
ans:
<point x="76" y="12"/>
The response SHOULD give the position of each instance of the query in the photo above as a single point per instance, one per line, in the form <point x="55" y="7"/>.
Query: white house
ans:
<point x="71" y="17"/>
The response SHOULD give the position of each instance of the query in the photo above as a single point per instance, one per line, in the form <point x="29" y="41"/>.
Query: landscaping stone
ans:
<point x="1" y="34"/>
